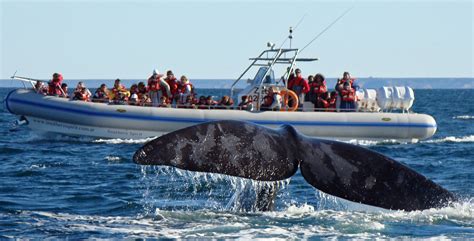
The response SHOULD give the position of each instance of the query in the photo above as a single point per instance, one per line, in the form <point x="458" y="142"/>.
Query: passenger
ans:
<point x="332" y="102"/>
<point x="272" y="100"/>
<point x="190" y="102"/>
<point x="267" y="102"/>
<point x="210" y="102"/>
<point x="226" y="102"/>
<point x="202" y="102"/>
<point x="310" y="95"/>
<point x="101" y="94"/>
<point x="81" y="92"/>
<point x="173" y="84"/>
<point x="322" y="102"/>
<point x="64" y="89"/>
<point x="142" y="94"/>
<point x="319" y="89"/>
<point x="156" y="86"/>
<point x="345" y="79"/>
<point x="54" y="86"/>
<point x="164" y="102"/>
<point x="133" y="100"/>
<point x="299" y="85"/>
<point x="40" y="88"/>
<point x="348" y="97"/>
<point x="246" y="103"/>
<point x="186" y="89"/>
<point x="120" y="94"/>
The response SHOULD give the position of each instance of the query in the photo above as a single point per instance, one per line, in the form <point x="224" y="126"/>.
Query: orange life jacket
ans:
<point x="182" y="88"/>
<point x="348" y="95"/>
<point x="153" y="84"/>
<point x="319" y="89"/>
<point x="173" y="85"/>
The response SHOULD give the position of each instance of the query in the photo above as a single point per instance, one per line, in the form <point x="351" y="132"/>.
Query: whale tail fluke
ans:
<point x="251" y="151"/>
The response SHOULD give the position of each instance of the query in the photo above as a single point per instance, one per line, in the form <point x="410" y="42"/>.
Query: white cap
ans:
<point x="155" y="71"/>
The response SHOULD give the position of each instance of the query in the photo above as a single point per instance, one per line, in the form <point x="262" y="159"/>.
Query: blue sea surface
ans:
<point x="57" y="186"/>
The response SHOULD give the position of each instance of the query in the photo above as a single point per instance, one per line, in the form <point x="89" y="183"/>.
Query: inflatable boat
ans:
<point x="374" y="117"/>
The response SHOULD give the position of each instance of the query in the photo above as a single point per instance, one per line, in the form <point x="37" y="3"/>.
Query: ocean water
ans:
<point x="54" y="186"/>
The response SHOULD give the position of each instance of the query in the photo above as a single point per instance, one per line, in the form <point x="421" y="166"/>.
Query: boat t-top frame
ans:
<point x="266" y="61"/>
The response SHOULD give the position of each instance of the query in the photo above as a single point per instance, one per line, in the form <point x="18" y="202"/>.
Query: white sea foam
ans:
<point x="461" y="139"/>
<point x="296" y="221"/>
<point x="464" y="117"/>
<point x="112" y="158"/>
<point x="124" y="141"/>
<point x="375" y="142"/>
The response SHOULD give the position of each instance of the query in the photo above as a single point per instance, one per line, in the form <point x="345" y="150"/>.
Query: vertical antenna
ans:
<point x="291" y="35"/>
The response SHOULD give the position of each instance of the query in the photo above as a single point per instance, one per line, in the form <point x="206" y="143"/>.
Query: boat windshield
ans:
<point x="260" y="76"/>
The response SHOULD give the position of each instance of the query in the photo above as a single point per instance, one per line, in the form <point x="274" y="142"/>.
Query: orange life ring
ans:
<point x="286" y="95"/>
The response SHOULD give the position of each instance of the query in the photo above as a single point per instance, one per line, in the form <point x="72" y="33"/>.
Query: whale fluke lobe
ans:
<point x="228" y="147"/>
<point x="358" y="174"/>
<point x="251" y="151"/>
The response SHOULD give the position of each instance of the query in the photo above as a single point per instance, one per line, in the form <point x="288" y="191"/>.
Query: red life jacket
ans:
<point x="324" y="103"/>
<point x="153" y="84"/>
<point x="319" y="89"/>
<point x="183" y="88"/>
<point x="80" y="95"/>
<point x="173" y="85"/>
<point x="348" y="95"/>
<point x="54" y="86"/>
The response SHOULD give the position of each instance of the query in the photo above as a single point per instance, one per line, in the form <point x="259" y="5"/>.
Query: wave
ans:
<point x="464" y="117"/>
<point x="296" y="221"/>
<point x="452" y="139"/>
<point x="376" y="142"/>
<point x="124" y="141"/>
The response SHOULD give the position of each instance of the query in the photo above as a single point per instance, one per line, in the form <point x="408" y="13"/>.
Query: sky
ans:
<point x="214" y="39"/>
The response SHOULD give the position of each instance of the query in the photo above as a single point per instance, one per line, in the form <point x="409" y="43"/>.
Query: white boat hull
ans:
<point x="53" y="114"/>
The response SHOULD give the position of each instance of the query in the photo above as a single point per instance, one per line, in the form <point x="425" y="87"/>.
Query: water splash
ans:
<point x="124" y="141"/>
<point x="464" y="117"/>
<point x="453" y="139"/>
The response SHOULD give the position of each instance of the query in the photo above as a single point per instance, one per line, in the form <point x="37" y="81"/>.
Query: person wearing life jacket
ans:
<point x="164" y="102"/>
<point x="346" y="78"/>
<point x="142" y="94"/>
<point x="322" y="102"/>
<point x="156" y="86"/>
<point x="101" y="94"/>
<point x="272" y="101"/>
<point x="348" y="97"/>
<point x="133" y="100"/>
<point x="185" y="89"/>
<point x="332" y="102"/>
<point x="81" y="92"/>
<point x="54" y="86"/>
<point x="298" y="85"/>
<point x="40" y="88"/>
<point x="119" y="94"/>
<point x="173" y="84"/>
<point x="245" y="103"/>
<point x="225" y="103"/>
<point x="210" y="102"/>
<point x="318" y="89"/>
<point x="64" y="91"/>
<point x="202" y="102"/>
<point x="310" y="96"/>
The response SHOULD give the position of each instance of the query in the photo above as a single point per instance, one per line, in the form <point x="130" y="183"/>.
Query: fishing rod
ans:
<point x="327" y="28"/>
